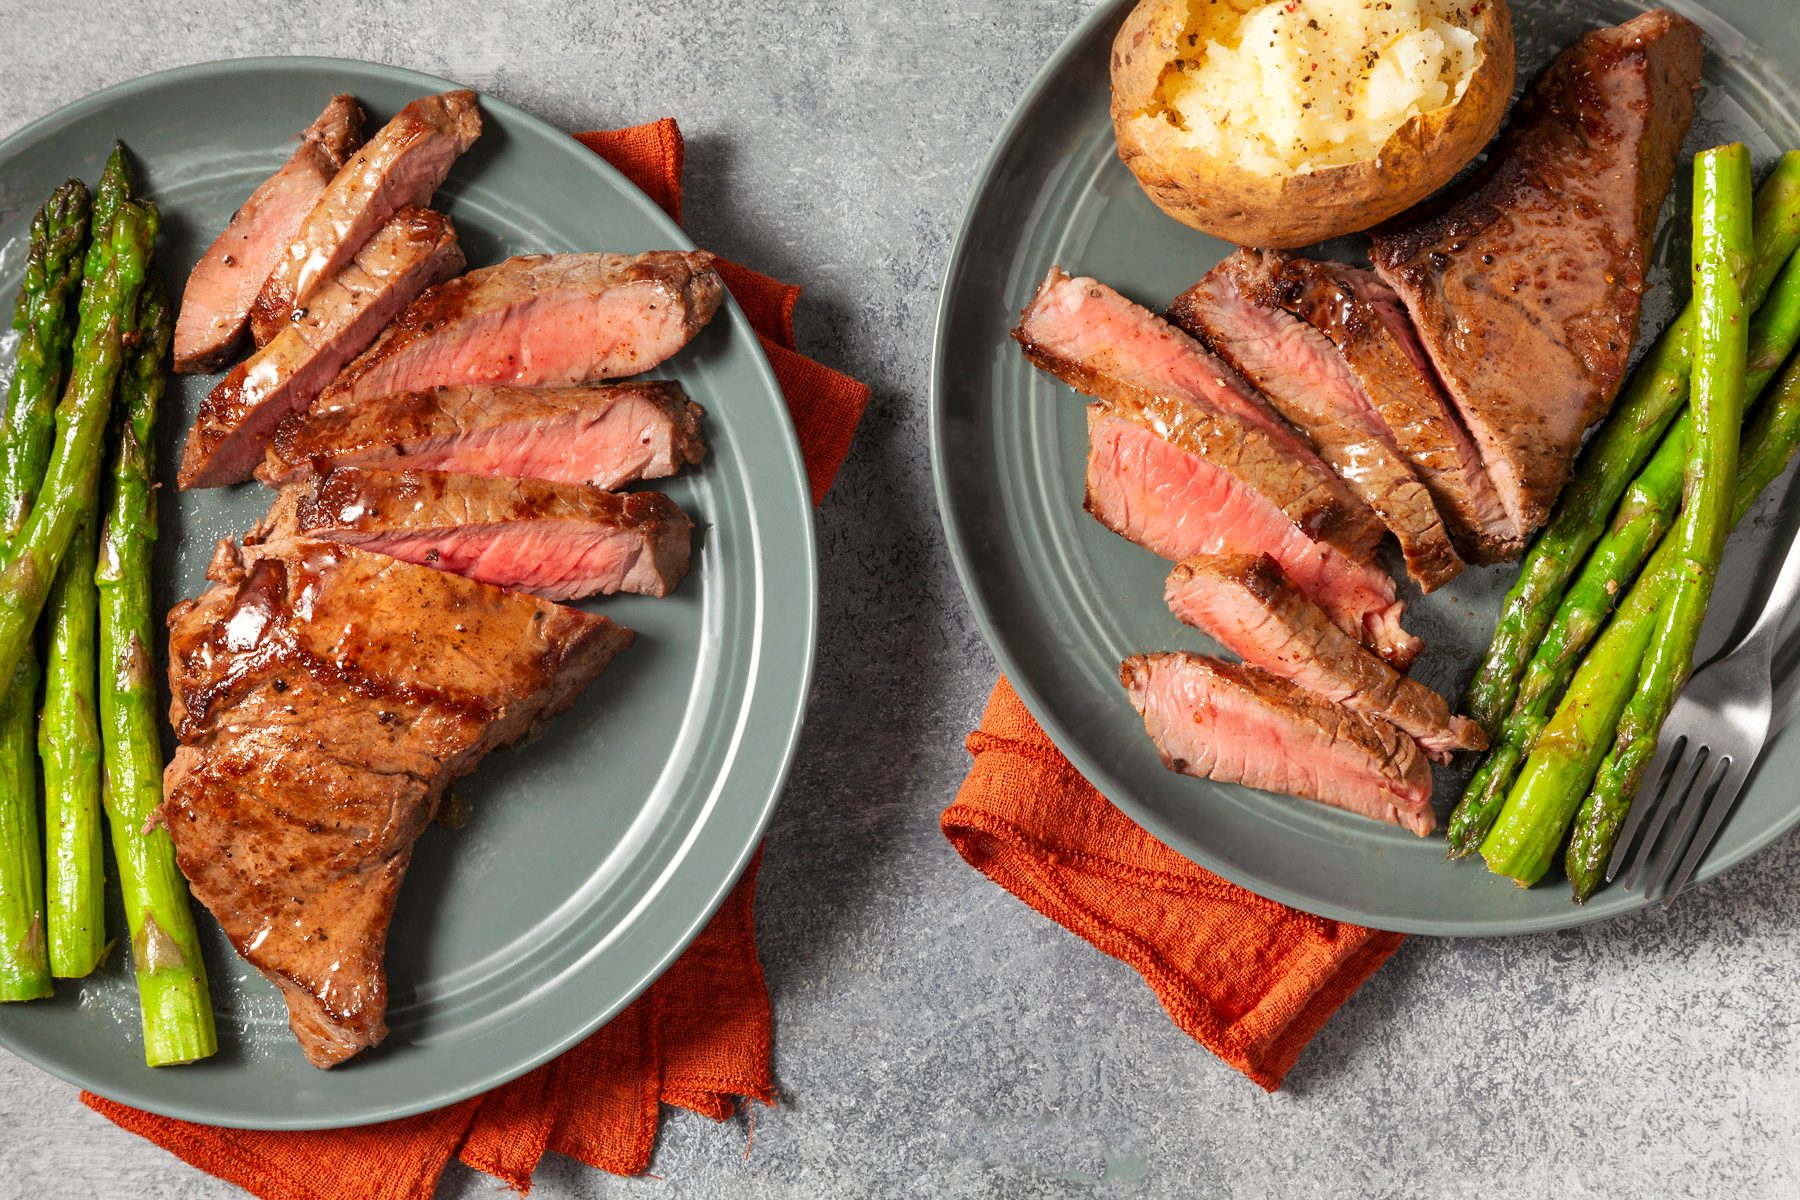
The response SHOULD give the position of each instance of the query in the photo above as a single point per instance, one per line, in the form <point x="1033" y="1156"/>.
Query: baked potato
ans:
<point x="1280" y="123"/>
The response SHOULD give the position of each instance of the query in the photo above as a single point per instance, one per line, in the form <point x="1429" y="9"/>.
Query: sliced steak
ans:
<point x="1248" y="605"/>
<point x="1159" y="493"/>
<point x="542" y="320"/>
<point x="1362" y="316"/>
<point x="561" y="541"/>
<point x="607" y="436"/>
<point x="413" y="250"/>
<point x="223" y="285"/>
<point x="1234" y="312"/>
<point x="1526" y="283"/>
<point x="324" y="698"/>
<point x="1100" y="343"/>
<point x="399" y="167"/>
<point x="1238" y="724"/>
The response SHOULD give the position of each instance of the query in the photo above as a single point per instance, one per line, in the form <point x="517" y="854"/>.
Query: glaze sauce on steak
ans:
<point x="324" y="698"/>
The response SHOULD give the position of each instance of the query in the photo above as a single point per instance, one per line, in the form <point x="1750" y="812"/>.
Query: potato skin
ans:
<point x="1298" y="209"/>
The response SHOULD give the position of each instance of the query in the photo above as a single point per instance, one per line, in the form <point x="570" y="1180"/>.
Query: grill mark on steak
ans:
<point x="415" y="249"/>
<point x="215" y="305"/>
<point x="1527" y="282"/>
<point x="1250" y="606"/>
<point x="1238" y="724"/>
<point x="541" y="320"/>
<point x="399" y="167"/>
<point x="324" y="699"/>
<point x="1234" y="312"/>
<point x="1101" y="344"/>
<point x="1155" y="492"/>
<point x="558" y="541"/>
<point x="608" y="435"/>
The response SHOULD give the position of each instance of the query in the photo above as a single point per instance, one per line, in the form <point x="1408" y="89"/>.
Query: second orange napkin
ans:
<point x="1250" y="979"/>
<point x="698" y="1038"/>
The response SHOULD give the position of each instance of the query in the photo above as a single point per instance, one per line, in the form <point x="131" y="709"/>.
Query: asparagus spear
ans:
<point x="1656" y="392"/>
<point x="1562" y="762"/>
<point x="1721" y="359"/>
<point x="81" y="426"/>
<point x="69" y="745"/>
<point x="41" y="318"/>
<point x="1645" y="515"/>
<point x="165" y="946"/>
<point x="1722" y="240"/>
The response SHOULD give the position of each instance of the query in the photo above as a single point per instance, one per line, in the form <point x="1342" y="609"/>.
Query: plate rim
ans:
<point x="794" y="474"/>
<point x="1612" y="903"/>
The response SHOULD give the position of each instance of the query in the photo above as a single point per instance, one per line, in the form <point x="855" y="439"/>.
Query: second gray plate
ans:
<point x="1062" y="599"/>
<point x="594" y="854"/>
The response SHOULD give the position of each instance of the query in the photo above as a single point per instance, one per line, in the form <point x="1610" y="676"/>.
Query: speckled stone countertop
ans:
<point x="934" y="1037"/>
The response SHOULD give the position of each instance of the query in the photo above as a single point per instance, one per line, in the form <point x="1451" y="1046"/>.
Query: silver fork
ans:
<point x="1707" y="748"/>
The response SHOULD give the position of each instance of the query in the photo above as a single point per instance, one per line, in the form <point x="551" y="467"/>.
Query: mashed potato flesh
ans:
<point x="1295" y="85"/>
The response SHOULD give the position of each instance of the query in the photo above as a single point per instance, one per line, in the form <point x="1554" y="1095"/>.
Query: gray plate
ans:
<point x="593" y="855"/>
<point x="1062" y="600"/>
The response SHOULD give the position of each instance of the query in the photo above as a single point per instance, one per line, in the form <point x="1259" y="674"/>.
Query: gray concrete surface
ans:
<point x="935" y="1037"/>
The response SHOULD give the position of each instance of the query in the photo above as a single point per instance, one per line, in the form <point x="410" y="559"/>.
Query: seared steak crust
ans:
<point x="1526" y="283"/>
<point x="324" y="698"/>
<point x="1239" y="724"/>
<point x="1236" y="314"/>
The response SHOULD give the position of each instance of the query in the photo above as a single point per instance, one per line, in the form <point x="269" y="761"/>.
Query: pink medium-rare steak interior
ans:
<point x="607" y="435"/>
<point x="1238" y="724"/>
<point x="1247" y="604"/>
<point x="542" y="320"/>
<point x="1179" y="505"/>
<point x="415" y="249"/>
<point x="215" y="306"/>
<point x="556" y="540"/>
<point x="399" y="167"/>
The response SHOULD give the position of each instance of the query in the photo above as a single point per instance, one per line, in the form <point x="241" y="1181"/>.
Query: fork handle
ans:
<point x="1780" y="602"/>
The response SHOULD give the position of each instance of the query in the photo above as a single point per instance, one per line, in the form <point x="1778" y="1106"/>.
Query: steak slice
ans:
<point x="324" y="698"/>
<point x="1100" y="343"/>
<point x="1237" y="724"/>
<point x="414" y="250"/>
<point x="1248" y="605"/>
<point x="561" y="541"/>
<point x="1526" y="283"/>
<point x="607" y="436"/>
<point x="400" y="167"/>
<point x="542" y="320"/>
<point x="1158" y="493"/>
<point x="223" y="285"/>
<point x="1234" y="312"/>
<point x="1363" y="318"/>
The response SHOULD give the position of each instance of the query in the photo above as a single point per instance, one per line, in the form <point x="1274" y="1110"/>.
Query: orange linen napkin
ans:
<point x="1249" y="979"/>
<point x="698" y="1038"/>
